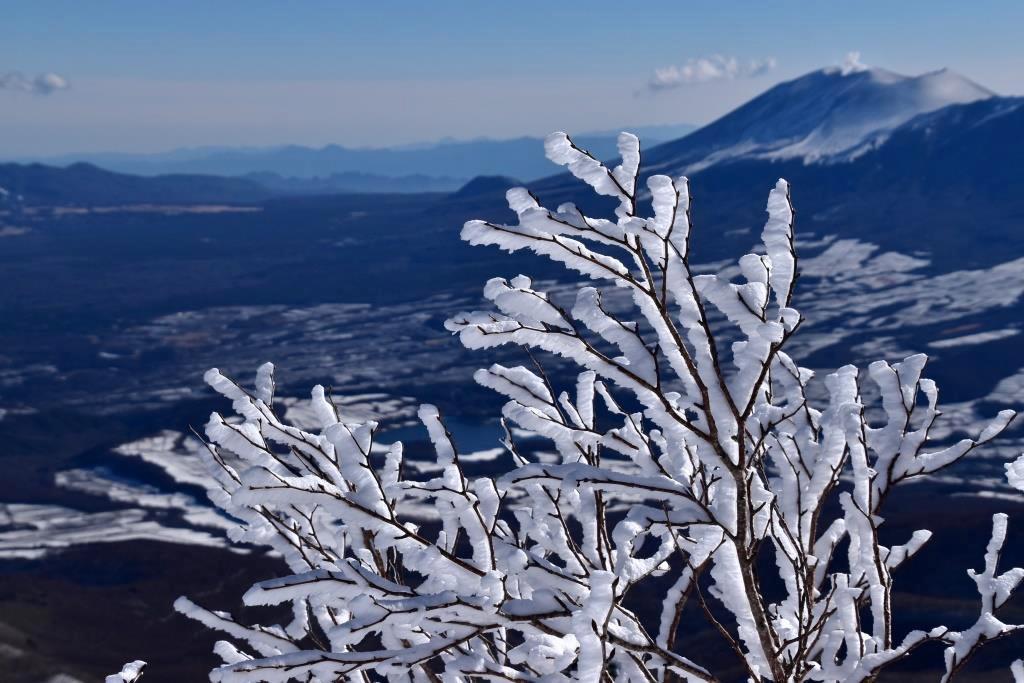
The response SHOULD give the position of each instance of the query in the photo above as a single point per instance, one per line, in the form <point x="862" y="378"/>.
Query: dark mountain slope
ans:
<point x="88" y="185"/>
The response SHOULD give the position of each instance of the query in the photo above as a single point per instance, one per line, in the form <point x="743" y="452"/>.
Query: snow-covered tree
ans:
<point x="692" y="469"/>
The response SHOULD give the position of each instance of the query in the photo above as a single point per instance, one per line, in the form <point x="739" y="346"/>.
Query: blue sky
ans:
<point x="146" y="76"/>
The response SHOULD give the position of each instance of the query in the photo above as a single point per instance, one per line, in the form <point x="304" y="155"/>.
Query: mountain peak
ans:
<point x="826" y="114"/>
<point x="943" y="77"/>
<point x="853" y="67"/>
<point x="949" y="85"/>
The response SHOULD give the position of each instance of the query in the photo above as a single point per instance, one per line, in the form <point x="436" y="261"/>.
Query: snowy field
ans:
<point x="860" y="303"/>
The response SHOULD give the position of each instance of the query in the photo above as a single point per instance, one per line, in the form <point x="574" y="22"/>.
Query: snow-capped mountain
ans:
<point x="946" y="182"/>
<point x="832" y="114"/>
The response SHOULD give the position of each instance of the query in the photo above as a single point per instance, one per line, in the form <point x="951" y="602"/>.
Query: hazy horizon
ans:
<point x="416" y="144"/>
<point x="121" y="77"/>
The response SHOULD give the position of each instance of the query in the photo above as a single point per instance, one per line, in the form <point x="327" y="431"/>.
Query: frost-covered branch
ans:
<point x="130" y="673"/>
<point x="687" y="448"/>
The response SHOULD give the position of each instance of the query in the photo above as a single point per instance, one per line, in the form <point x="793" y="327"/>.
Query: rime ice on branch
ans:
<point x="679" y="457"/>
<point x="130" y="673"/>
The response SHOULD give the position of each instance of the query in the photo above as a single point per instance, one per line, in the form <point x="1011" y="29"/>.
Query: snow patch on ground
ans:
<point x="172" y="452"/>
<point x="851" y="294"/>
<point x="399" y="411"/>
<point x="971" y="339"/>
<point x="99" y="483"/>
<point x="1010" y="390"/>
<point x="32" y="531"/>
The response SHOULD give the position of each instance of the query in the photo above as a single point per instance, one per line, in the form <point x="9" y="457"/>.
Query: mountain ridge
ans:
<point x="453" y="159"/>
<point x="86" y="184"/>
<point x="820" y="116"/>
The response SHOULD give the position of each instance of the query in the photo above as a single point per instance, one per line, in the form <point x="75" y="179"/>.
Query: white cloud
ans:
<point x="852" y="64"/>
<point x="43" y="84"/>
<point x="706" y="69"/>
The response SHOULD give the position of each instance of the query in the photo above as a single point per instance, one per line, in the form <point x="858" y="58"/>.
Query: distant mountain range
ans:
<point x="351" y="182"/>
<point x="445" y="165"/>
<point x="845" y="124"/>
